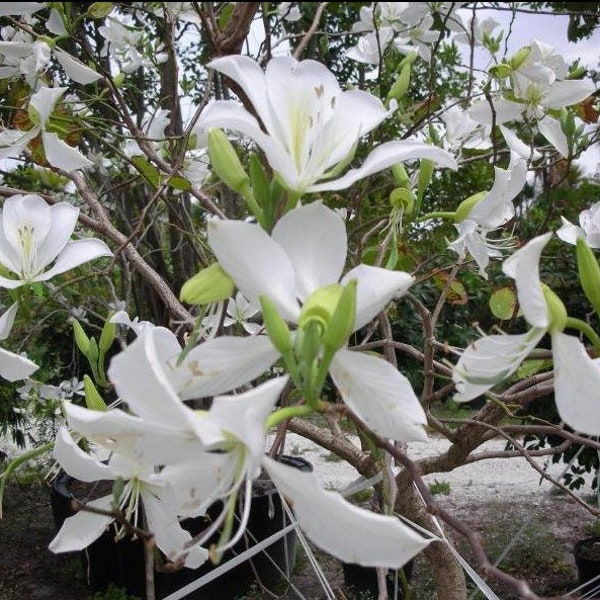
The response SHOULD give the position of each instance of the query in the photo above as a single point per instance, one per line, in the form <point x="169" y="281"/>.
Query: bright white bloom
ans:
<point x="589" y="229"/>
<point x="58" y="153"/>
<point x="35" y="235"/>
<point x="311" y="127"/>
<point x="141" y="483"/>
<point x="224" y="453"/>
<point x="489" y="214"/>
<point x="494" y="358"/>
<point x="239" y="310"/>
<point x="371" y="46"/>
<point x="418" y="39"/>
<point x="13" y="367"/>
<point x="307" y="251"/>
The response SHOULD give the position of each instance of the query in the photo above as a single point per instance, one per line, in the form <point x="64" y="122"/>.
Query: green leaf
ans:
<point x="503" y="303"/>
<point x="180" y="183"/>
<point x="99" y="10"/>
<point x="148" y="171"/>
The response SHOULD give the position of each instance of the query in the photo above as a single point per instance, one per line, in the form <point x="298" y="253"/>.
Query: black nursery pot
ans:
<point x="360" y="579"/>
<point x="121" y="563"/>
<point x="587" y="559"/>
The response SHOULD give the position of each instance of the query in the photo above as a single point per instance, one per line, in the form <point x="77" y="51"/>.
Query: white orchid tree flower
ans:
<point x="489" y="214"/>
<point x="58" y="153"/>
<point x="141" y="482"/>
<point x="13" y="367"/>
<point x="239" y="311"/>
<point x="588" y="228"/>
<point x="306" y="253"/>
<point x="492" y="359"/>
<point x="35" y="240"/>
<point x="214" y="455"/>
<point x="311" y="128"/>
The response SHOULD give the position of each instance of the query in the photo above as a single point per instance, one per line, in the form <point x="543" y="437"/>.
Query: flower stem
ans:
<point x="579" y="325"/>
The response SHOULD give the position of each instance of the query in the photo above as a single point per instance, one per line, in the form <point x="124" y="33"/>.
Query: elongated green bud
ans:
<point x="93" y="400"/>
<point x="209" y="285"/>
<point x="92" y="353"/>
<point x="426" y="168"/>
<point x="401" y="84"/>
<point x="341" y="324"/>
<point x="81" y="338"/>
<point x="589" y="273"/>
<point x="107" y="337"/>
<point x="320" y="306"/>
<point x="226" y="163"/>
<point x="557" y="313"/>
<point x="401" y="176"/>
<point x="466" y="206"/>
<point x="277" y="328"/>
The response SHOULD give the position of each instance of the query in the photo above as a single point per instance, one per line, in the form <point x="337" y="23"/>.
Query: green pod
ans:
<point x="81" y="338"/>
<point x="341" y="324"/>
<point x="107" y="337"/>
<point x="209" y="285"/>
<point x="93" y="400"/>
<point x="277" y="328"/>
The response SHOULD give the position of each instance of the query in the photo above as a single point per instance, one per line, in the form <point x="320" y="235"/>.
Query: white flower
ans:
<point x="58" y="153"/>
<point x="589" y="229"/>
<point x="311" y="127"/>
<point x="140" y="483"/>
<point x="35" y="235"/>
<point x="494" y="358"/>
<point x="489" y="214"/>
<point x="214" y="455"/>
<point x="13" y="367"/>
<point x="306" y="252"/>
<point x="239" y="310"/>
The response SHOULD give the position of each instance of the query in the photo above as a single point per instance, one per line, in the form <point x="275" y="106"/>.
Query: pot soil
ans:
<point x="587" y="559"/>
<point x="121" y="563"/>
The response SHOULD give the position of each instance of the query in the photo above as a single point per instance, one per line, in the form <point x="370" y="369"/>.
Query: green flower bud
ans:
<point x="589" y="273"/>
<point x="401" y="176"/>
<point x="81" y="338"/>
<point x="107" y="337"/>
<point x="466" y="206"/>
<point x="226" y="162"/>
<point x="500" y="71"/>
<point x="209" y="285"/>
<point x="93" y="400"/>
<point x="320" y="306"/>
<point x="401" y="84"/>
<point x="403" y="199"/>
<point x="277" y="328"/>
<point x="557" y="313"/>
<point x="519" y="58"/>
<point x="92" y="353"/>
<point x="341" y="324"/>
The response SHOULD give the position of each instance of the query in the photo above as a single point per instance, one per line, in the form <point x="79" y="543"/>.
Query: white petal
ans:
<point x="44" y="101"/>
<point x="490" y="360"/>
<point x="55" y="24"/>
<point x="222" y="364"/>
<point x="350" y="533"/>
<point x="256" y="263"/>
<point x="14" y="367"/>
<point x="576" y="384"/>
<point x="569" y="232"/>
<point x="376" y="287"/>
<point x="244" y="415"/>
<point x="517" y="146"/>
<point x="566" y="93"/>
<point x="20" y="8"/>
<point x="63" y="218"/>
<point x="379" y="394"/>
<point x="314" y="238"/>
<point x="139" y="440"/>
<point x="75" y="254"/>
<point x="80" y="530"/>
<point x="141" y="373"/>
<point x="7" y="319"/>
<point x="524" y="267"/>
<point x="76" y="462"/>
<point x="62" y="156"/>
<point x="384" y="156"/>
<point x="170" y="537"/>
<point x="75" y="69"/>
<point x="248" y="74"/>
<point x="551" y="129"/>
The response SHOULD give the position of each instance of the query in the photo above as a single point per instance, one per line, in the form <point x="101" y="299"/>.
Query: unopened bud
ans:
<point x="466" y="206"/>
<point x="519" y="58"/>
<point x="81" y="338"/>
<point x="226" y="163"/>
<point x="209" y="285"/>
<point x="400" y="86"/>
<point x="277" y="328"/>
<point x="557" y="313"/>
<point x="107" y="337"/>
<point x="93" y="400"/>
<point x="320" y="306"/>
<point x="403" y="199"/>
<point x="341" y="324"/>
<point x="589" y="273"/>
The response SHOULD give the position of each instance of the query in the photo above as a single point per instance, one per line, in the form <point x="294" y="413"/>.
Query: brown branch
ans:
<point x="311" y="31"/>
